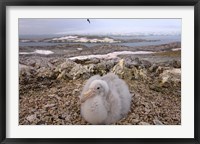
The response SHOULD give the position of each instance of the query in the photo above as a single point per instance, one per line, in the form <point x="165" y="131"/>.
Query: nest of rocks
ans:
<point x="49" y="90"/>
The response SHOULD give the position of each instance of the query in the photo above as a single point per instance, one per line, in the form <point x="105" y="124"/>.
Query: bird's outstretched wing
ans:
<point x="88" y="20"/>
<point x="87" y="84"/>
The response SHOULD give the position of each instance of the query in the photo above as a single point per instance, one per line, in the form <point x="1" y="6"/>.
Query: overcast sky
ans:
<point x="98" y="26"/>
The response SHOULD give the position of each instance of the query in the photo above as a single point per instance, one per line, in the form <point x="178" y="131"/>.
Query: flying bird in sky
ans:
<point x="88" y="20"/>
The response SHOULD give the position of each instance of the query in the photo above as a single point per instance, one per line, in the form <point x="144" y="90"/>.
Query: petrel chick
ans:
<point x="105" y="100"/>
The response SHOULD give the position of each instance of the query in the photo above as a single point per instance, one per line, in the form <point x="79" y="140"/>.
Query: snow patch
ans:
<point x="110" y="55"/>
<point x="65" y="38"/>
<point x="79" y="48"/>
<point x="176" y="49"/>
<point x="84" y="39"/>
<point x="26" y="53"/>
<point x="24" y="41"/>
<point x="44" y="52"/>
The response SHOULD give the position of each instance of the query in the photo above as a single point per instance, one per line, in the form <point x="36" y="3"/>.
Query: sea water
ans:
<point x="160" y="39"/>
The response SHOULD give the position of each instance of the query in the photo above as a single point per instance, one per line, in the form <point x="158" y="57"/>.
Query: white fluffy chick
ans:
<point x="105" y="100"/>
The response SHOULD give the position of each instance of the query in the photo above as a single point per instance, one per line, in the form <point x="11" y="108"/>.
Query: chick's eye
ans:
<point x="98" y="87"/>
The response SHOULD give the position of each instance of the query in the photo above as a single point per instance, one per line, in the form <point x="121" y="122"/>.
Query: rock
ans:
<point x="171" y="77"/>
<point x="128" y="73"/>
<point x="131" y="62"/>
<point x="90" y="67"/>
<point x="157" y="122"/>
<point x="26" y="70"/>
<point x="159" y="70"/>
<point x="26" y="74"/>
<point x="31" y="118"/>
<point x="101" y="68"/>
<point x="87" y="61"/>
<point x="135" y="120"/>
<point x="143" y="74"/>
<point x="79" y="72"/>
<point x="55" y="96"/>
<point x="72" y="70"/>
<point x="45" y="73"/>
<point x="75" y="91"/>
<point x="30" y="62"/>
<point x="135" y="73"/>
<point x="143" y="123"/>
<point x="110" y="63"/>
<point x="176" y="63"/>
<point x="62" y="75"/>
<point x="93" y="61"/>
<point x="136" y="61"/>
<point x="50" y="65"/>
<point x="153" y="68"/>
<point x="49" y="105"/>
<point x="40" y="123"/>
<point x="64" y="69"/>
<point x="57" y="61"/>
<point x="122" y="71"/>
<point x="68" y="65"/>
<point x="145" y="63"/>
<point x="119" y="66"/>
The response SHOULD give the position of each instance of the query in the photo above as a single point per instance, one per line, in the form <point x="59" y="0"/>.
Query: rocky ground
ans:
<point x="49" y="87"/>
<point x="71" y="50"/>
